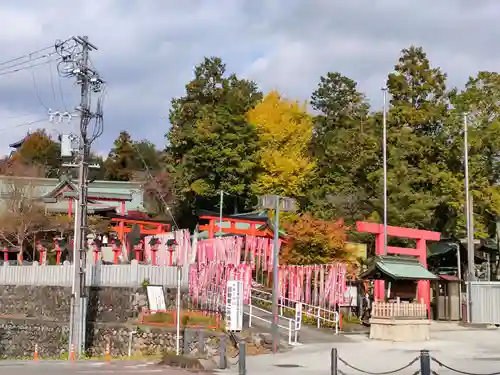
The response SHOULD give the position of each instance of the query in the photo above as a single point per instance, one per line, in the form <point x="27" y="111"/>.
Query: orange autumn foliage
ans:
<point x="313" y="241"/>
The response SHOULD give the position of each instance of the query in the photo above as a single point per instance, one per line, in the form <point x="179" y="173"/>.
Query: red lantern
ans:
<point x="58" y="251"/>
<point x="170" y="247"/>
<point x="138" y="250"/>
<point x="5" y="254"/>
<point x="155" y="245"/>
<point x="42" y="250"/>
<point x="96" y="246"/>
<point x="117" y="248"/>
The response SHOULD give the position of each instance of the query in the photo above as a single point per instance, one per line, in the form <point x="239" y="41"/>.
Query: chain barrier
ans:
<point x="409" y="364"/>
<point x="424" y="359"/>
<point x="441" y="364"/>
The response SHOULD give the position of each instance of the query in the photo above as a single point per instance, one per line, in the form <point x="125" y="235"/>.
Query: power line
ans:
<point x="28" y="123"/>
<point x="148" y="170"/>
<point x="28" y="55"/>
<point x="37" y="92"/>
<point x="29" y="61"/>
<point x="52" y="83"/>
<point x="2" y="73"/>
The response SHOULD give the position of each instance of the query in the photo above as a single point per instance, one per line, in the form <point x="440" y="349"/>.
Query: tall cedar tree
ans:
<point x="211" y="145"/>
<point x="345" y="148"/>
<point x="418" y="112"/>
<point x="122" y="159"/>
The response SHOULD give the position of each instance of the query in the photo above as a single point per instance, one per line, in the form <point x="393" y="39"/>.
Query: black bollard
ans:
<point x="333" y="362"/>
<point x="242" y="357"/>
<point x="425" y="362"/>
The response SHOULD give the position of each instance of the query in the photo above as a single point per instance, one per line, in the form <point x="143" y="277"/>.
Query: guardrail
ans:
<point x="288" y="308"/>
<point x="291" y="326"/>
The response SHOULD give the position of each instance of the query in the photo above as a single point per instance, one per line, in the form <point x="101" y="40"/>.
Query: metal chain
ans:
<point x="460" y="371"/>
<point x="381" y="373"/>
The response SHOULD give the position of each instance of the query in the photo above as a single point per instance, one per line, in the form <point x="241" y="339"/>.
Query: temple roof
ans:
<point x="20" y="142"/>
<point x="104" y="195"/>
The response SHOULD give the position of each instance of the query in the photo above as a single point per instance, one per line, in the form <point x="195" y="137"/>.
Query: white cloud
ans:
<point x="147" y="49"/>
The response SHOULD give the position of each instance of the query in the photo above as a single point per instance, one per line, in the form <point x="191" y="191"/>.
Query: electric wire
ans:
<point x="28" y="55"/>
<point x="52" y="84"/>
<point x="31" y="60"/>
<point x="148" y="170"/>
<point x="20" y="69"/>
<point x="28" y="123"/>
<point x="37" y="92"/>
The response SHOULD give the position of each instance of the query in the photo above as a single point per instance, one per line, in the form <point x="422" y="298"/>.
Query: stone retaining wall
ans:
<point x="19" y="336"/>
<point x="105" y="304"/>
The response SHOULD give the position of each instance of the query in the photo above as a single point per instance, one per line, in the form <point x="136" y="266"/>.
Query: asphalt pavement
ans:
<point x="84" y="367"/>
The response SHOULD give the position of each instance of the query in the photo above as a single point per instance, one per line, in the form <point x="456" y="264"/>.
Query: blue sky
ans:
<point x="147" y="50"/>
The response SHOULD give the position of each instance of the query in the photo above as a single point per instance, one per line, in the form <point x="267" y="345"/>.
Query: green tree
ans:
<point x="417" y="167"/>
<point x="480" y="100"/>
<point x="211" y="145"/>
<point x="345" y="148"/>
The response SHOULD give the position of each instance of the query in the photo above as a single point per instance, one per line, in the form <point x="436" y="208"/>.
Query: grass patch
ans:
<point x="189" y="319"/>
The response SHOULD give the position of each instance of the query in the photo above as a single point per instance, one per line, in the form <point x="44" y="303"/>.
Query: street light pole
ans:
<point x="384" y="152"/>
<point x="468" y="216"/>
<point x="285" y="204"/>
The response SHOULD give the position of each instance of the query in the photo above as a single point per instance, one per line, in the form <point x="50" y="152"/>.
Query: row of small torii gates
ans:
<point x="259" y="227"/>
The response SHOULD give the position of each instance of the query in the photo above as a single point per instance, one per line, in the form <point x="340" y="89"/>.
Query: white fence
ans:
<point x="485" y="298"/>
<point x="124" y="275"/>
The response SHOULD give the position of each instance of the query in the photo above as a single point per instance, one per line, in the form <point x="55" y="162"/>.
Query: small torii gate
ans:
<point x="421" y="236"/>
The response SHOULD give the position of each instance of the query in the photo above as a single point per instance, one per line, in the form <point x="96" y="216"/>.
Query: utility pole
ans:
<point x="87" y="79"/>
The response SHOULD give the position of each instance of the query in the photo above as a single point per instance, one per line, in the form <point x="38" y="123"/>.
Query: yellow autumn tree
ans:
<point x="285" y="129"/>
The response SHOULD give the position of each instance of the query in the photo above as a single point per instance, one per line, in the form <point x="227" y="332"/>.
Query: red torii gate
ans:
<point x="421" y="236"/>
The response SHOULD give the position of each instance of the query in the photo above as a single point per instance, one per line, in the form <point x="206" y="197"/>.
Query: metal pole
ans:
<point x="384" y="152"/>
<point x="275" y="276"/>
<point x="470" y="235"/>
<point x="178" y="328"/>
<point x="220" y="211"/>
<point x="459" y="270"/>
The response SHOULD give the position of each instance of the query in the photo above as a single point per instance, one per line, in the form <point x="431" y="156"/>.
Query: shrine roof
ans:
<point x="397" y="268"/>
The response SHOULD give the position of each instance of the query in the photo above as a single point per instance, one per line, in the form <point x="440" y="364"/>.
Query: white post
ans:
<point x="290" y="332"/>
<point x="250" y="309"/>
<point x="384" y="152"/>
<point x="178" y="337"/>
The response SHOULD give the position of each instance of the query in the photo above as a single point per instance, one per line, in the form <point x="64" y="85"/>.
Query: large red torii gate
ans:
<point x="421" y="236"/>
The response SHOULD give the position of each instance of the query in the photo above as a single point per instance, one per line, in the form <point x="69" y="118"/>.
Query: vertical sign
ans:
<point x="234" y="305"/>
<point x="298" y="316"/>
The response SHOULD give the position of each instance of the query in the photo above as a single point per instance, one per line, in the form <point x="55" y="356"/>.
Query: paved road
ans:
<point x="468" y="350"/>
<point x="84" y="367"/>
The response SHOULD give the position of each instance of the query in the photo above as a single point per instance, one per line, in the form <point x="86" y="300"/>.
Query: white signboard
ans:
<point x="156" y="298"/>
<point x="234" y="305"/>
<point x="350" y="296"/>
<point x="298" y="316"/>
